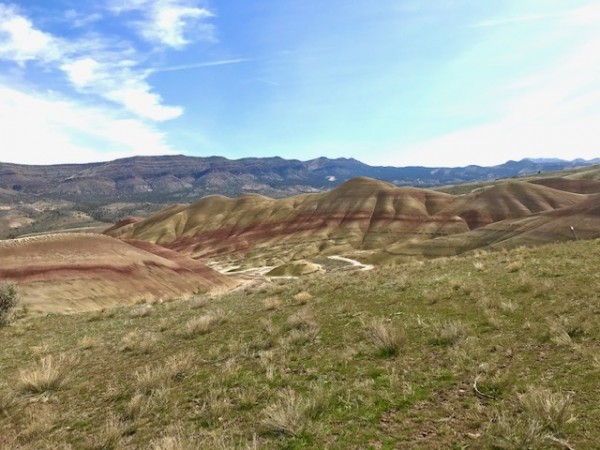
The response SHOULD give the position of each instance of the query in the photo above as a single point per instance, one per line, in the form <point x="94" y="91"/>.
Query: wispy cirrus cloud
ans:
<point x="583" y="15"/>
<point x="78" y="19"/>
<point x="173" y="23"/>
<point x="222" y="62"/>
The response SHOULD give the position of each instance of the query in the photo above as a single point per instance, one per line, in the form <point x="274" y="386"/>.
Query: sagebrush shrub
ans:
<point x="9" y="297"/>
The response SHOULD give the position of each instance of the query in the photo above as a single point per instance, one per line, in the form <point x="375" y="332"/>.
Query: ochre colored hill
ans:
<point x="579" y="186"/>
<point x="510" y="200"/>
<point x="79" y="272"/>
<point x="361" y="214"/>
<point x="537" y="229"/>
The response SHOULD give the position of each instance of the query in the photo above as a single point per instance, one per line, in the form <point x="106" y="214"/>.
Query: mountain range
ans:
<point x="184" y="178"/>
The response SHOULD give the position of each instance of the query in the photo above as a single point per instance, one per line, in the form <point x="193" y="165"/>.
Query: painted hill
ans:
<point x="79" y="272"/>
<point x="361" y="214"/>
<point x="536" y="229"/>
<point x="508" y="200"/>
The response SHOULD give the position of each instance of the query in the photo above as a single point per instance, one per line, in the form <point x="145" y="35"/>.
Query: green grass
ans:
<point x="449" y="353"/>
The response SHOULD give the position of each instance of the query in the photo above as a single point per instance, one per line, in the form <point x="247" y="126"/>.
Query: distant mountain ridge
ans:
<point x="177" y="177"/>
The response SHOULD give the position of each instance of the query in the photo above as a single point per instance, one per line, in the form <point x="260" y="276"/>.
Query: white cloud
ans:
<point x="584" y="15"/>
<point x="496" y="143"/>
<point x="44" y="129"/>
<point x="118" y="82"/>
<point x="553" y="112"/>
<point x="512" y="20"/>
<point x="169" y="22"/>
<point x="21" y="42"/>
<point x="93" y="65"/>
<point x="138" y="99"/>
<point x="81" y="72"/>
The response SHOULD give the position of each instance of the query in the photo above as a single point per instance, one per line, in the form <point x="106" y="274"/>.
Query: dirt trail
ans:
<point x="352" y="262"/>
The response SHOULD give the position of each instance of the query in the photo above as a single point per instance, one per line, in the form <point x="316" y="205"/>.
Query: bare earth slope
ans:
<point x="79" y="272"/>
<point x="361" y="214"/>
<point x="510" y="200"/>
<point x="537" y="229"/>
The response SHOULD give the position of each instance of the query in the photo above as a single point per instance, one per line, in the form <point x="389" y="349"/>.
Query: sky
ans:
<point x="392" y="82"/>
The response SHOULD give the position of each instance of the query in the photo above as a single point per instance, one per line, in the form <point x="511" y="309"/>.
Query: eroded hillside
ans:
<point x="360" y="215"/>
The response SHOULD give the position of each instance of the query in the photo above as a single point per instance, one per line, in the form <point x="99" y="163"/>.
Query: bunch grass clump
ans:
<point x="387" y="339"/>
<point x="289" y="415"/>
<point x="203" y="324"/>
<point x="47" y="375"/>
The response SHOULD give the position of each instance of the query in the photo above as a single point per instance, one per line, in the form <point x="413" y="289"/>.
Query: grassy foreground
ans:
<point x="494" y="350"/>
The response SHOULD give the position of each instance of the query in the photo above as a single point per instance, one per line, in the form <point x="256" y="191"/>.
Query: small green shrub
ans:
<point x="9" y="297"/>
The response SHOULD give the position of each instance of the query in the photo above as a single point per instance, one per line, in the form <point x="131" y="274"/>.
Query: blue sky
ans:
<point x="411" y="82"/>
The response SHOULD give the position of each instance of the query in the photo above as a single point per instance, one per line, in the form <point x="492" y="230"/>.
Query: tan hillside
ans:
<point x="579" y="186"/>
<point x="79" y="272"/>
<point x="509" y="200"/>
<point x="361" y="214"/>
<point x="537" y="229"/>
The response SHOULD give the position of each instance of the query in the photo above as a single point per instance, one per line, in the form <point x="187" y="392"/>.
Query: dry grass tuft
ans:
<point x="139" y="343"/>
<point x="514" y="266"/>
<point x="449" y="332"/>
<point x="88" y="342"/>
<point x="48" y="375"/>
<point x="39" y="421"/>
<point x="141" y="311"/>
<point x="303" y="336"/>
<point x="203" y="324"/>
<point x="302" y="298"/>
<point x="136" y="408"/>
<point x="289" y="415"/>
<point x="272" y="303"/>
<point x="198" y="302"/>
<point x="153" y="377"/>
<point x="303" y="329"/>
<point x="301" y="321"/>
<point x="7" y="402"/>
<point x="387" y="339"/>
<point x="176" y="442"/>
<point x="479" y="266"/>
<point x="544" y="413"/>
<point x="111" y="435"/>
<point x="551" y="409"/>
<point x="510" y="433"/>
